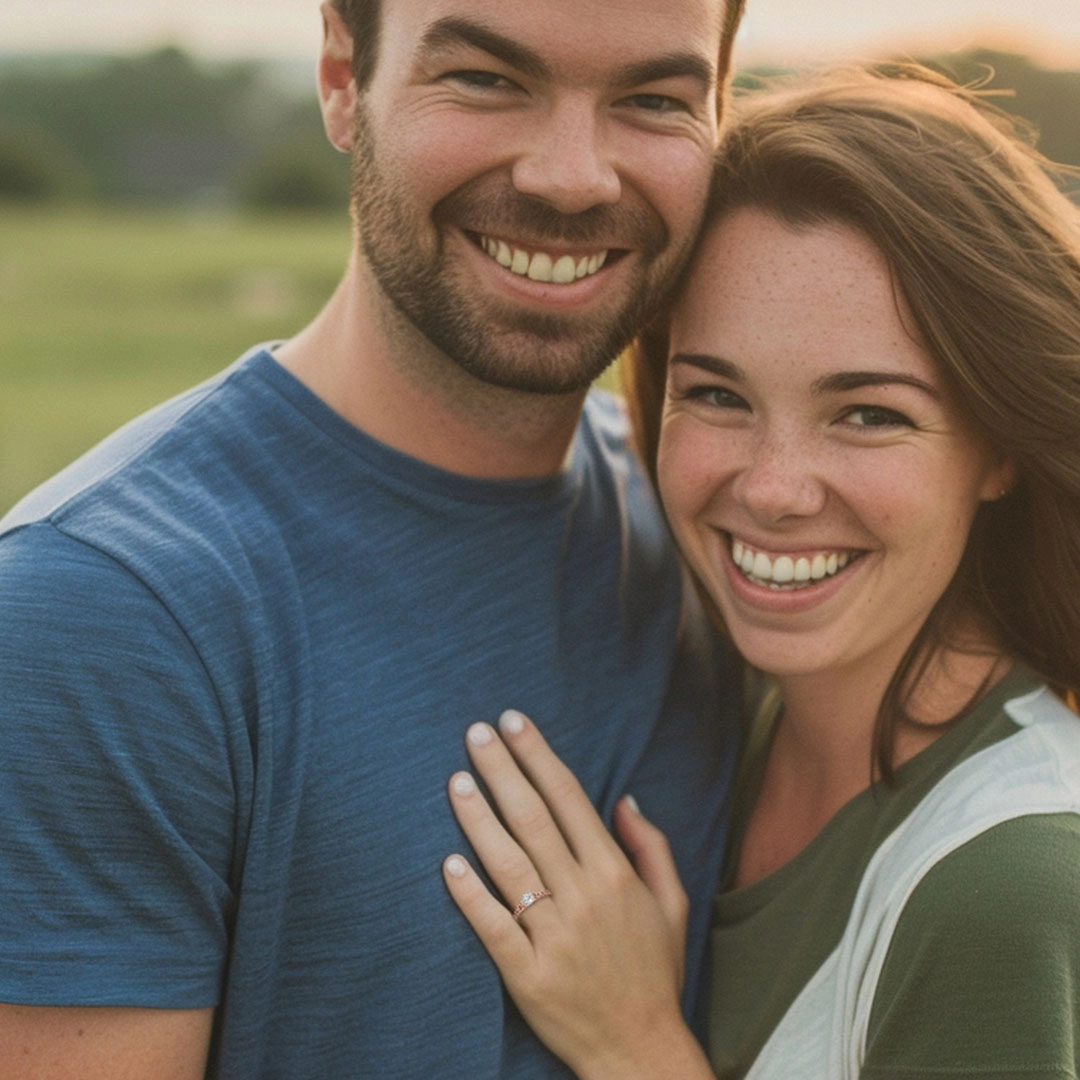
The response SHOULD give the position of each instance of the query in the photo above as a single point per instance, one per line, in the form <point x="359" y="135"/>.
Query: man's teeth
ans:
<point x="539" y="266"/>
<point x="787" y="571"/>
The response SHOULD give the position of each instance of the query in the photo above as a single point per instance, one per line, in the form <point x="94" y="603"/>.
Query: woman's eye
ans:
<point x="719" y="397"/>
<point x="875" y="416"/>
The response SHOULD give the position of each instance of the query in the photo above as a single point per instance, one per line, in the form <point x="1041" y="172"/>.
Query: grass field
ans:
<point x="103" y="314"/>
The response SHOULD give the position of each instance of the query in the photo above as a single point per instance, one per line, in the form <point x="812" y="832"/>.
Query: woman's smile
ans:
<point x="799" y="569"/>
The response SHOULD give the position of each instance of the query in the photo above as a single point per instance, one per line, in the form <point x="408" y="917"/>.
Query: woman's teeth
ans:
<point x="787" y="571"/>
<point x="539" y="265"/>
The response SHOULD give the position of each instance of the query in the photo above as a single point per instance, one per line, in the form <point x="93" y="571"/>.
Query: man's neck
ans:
<point x="382" y="375"/>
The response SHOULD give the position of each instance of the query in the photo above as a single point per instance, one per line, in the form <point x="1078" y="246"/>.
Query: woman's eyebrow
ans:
<point x="455" y="30"/>
<point x="842" y="381"/>
<point x="715" y="365"/>
<point x="836" y="383"/>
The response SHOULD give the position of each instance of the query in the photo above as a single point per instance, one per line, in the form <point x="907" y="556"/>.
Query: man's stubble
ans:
<point x="494" y="341"/>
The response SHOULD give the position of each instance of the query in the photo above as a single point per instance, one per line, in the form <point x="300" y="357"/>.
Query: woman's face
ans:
<point x="817" y="475"/>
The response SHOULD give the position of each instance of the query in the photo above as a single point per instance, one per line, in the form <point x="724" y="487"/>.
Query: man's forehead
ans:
<point x="647" y="10"/>
<point x="645" y="26"/>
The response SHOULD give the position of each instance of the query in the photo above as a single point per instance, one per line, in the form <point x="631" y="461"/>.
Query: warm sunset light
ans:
<point x="775" y="30"/>
<point x="158" y="139"/>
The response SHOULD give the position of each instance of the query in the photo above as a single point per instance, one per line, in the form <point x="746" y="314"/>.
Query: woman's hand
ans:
<point x="597" y="967"/>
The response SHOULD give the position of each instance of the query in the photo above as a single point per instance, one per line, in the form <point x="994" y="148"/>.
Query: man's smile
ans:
<point x="559" y="268"/>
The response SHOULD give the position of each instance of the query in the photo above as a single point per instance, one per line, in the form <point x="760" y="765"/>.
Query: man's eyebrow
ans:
<point x="669" y="66"/>
<point x="715" y="365"/>
<point x="454" y="30"/>
<point x="843" y="381"/>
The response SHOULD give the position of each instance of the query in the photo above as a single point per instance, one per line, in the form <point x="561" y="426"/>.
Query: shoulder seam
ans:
<point x="198" y="395"/>
<point x="130" y="572"/>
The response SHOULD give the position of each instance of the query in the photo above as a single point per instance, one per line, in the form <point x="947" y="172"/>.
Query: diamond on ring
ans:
<point x="528" y="899"/>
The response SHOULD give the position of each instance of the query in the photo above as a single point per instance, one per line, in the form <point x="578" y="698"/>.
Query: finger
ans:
<point x="508" y="865"/>
<point x="652" y="858"/>
<point x="527" y="815"/>
<point x="570" y="806"/>
<point x="503" y="938"/>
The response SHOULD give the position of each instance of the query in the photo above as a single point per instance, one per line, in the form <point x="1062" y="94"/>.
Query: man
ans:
<point x="243" y="638"/>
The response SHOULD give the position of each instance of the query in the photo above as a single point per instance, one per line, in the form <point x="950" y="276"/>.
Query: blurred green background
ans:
<point x="159" y="215"/>
<point x="105" y="312"/>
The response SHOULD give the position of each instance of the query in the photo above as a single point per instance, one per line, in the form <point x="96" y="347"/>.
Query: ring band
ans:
<point x="528" y="899"/>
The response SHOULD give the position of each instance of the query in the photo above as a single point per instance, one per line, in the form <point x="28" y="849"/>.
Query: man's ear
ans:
<point x="337" y="86"/>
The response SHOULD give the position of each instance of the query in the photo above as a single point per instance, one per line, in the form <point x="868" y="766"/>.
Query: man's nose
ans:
<point x="568" y="163"/>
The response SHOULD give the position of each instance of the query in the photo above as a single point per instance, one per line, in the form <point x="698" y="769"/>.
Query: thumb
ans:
<point x="651" y="854"/>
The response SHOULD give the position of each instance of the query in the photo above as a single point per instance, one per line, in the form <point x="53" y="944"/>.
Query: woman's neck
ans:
<point x="831" y="717"/>
<point x="822" y="752"/>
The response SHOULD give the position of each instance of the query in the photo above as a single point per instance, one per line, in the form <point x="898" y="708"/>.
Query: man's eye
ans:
<point x="875" y="416"/>
<point x="658" y="103"/>
<point x="478" y="80"/>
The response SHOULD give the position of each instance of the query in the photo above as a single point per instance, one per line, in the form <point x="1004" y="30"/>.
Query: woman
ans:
<point x="870" y="456"/>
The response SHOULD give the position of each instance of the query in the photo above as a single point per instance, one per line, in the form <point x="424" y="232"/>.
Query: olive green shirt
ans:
<point x="982" y="973"/>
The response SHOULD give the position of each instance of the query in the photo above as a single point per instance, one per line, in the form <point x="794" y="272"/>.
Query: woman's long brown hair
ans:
<point x="985" y="251"/>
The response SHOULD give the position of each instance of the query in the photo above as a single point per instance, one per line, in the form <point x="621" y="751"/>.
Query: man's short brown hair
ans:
<point x="362" y="19"/>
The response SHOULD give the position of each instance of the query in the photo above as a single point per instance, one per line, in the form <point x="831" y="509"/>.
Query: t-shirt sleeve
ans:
<point x="116" y="798"/>
<point x="982" y="977"/>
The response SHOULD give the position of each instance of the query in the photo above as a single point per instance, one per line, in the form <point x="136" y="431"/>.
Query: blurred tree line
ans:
<point x="162" y="128"/>
<point x="1048" y="100"/>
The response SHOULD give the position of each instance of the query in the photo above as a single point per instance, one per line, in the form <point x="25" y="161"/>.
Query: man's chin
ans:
<point x="545" y="370"/>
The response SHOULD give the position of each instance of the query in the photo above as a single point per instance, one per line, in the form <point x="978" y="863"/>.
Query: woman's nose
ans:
<point x="780" y="479"/>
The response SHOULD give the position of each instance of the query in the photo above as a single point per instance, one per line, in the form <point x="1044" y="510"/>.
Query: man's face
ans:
<point x="529" y="177"/>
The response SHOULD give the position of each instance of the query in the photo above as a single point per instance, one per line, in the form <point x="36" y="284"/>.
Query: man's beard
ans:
<point x="498" y="342"/>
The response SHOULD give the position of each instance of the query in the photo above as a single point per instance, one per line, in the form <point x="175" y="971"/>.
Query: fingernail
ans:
<point x="479" y="735"/>
<point x="512" y="722"/>
<point x="455" y="866"/>
<point x="463" y="784"/>
<point x="632" y="803"/>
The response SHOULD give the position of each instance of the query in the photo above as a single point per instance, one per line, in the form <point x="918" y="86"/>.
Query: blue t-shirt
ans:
<point x="241" y="644"/>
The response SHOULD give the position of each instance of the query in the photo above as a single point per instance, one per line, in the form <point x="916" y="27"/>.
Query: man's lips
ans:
<point x="557" y="267"/>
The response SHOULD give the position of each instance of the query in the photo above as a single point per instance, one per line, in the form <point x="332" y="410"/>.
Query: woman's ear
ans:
<point x="999" y="481"/>
<point x="337" y="86"/>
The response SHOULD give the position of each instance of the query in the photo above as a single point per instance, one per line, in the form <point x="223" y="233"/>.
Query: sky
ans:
<point x="782" y="31"/>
